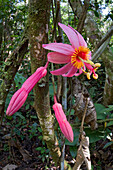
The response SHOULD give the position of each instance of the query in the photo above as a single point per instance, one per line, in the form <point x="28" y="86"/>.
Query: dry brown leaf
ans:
<point x="24" y="152"/>
<point x="10" y="167"/>
<point x="83" y="154"/>
<point x="80" y="94"/>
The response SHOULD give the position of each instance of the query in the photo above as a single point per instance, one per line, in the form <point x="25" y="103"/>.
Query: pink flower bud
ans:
<point x="62" y="120"/>
<point x="66" y="130"/>
<point x="17" y="101"/>
<point x="20" y="96"/>
<point x="34" y="78"/>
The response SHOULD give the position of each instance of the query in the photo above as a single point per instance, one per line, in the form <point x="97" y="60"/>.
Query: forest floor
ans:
<point x="27" y="151"/>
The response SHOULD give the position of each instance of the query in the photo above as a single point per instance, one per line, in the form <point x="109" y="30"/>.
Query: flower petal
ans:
<point x="80" y="72"/>
<point x="72" y="36"/>
<point x="89" y="55"/>
<point x="71" y="72"/>
<point x="65" y="49"/>
<point x="89" y="67"/>
<point x="81" y="40"/>
<point x="62" y="70"/>
<point x="58" y="58"/>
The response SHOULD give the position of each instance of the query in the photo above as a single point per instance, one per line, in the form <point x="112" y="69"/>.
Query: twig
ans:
<point x="83" y="118"/>
<point x="83" y="153"/>
<point x="63" y="155"/>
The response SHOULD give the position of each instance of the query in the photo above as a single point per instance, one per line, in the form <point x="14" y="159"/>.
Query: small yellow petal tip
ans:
<point x="97" y="64"/>
<point x="95" y="76"/>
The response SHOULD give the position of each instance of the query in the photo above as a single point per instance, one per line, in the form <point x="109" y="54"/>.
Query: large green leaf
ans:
<point x="95" y="135"/>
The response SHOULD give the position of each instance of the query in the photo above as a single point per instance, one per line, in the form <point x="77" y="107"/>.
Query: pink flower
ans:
<point x="62" y="120"/>
<point x="20" y="96"/>
<point x="77" y="56"/>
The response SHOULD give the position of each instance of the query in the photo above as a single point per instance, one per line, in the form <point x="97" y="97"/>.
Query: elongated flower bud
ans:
<point x="17" y="101"/>
<point x="20" y="96"/>
<point x="62" y="120"/>
<point x="34" y="78"/>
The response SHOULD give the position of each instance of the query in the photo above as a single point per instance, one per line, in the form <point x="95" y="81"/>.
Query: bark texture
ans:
<point x="38" y="29"/>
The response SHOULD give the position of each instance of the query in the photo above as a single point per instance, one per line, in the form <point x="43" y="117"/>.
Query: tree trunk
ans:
<point x="38" y="28"/>
<point x="108" y="89"/>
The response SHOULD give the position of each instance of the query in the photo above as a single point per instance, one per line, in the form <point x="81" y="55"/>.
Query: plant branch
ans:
<point x="100" y="50"/>
<point x="11" y="67"/>
<point x="83" y="16"/>
<point x="107" y="35"/>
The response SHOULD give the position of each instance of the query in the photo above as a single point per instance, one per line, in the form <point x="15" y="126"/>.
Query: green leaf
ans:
<point x="96" y="14"/>
<point x="19" y="114"/>
<point x="100" y="111"/>
<point x="110" y="123"/>
<point x="108" y="144"/>
<point x="94" y="135"/>
<point x="73" y="151"/>
<point x="111" y="48"/>
<point x="38" y="149"/>
<point x="19" y="80"/>
<point x="33" y="117"/>
<point x="27" y="106"/>
<point x="39" y="129"/>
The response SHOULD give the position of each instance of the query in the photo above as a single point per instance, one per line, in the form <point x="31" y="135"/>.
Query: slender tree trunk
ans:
<point x="11" y="67"/>
<point x="38" y="28"/>
<point x="108" y="89"/>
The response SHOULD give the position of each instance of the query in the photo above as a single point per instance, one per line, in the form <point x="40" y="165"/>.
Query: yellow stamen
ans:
<point x="97" y="64"/>
<point x="90" y="62"/>
<point x="87" y="61"/>
<point x="83" y="70"/>
<point x="88" y="75"/>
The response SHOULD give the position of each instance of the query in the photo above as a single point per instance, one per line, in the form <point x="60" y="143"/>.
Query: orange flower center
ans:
<point x="81" y="54"/>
